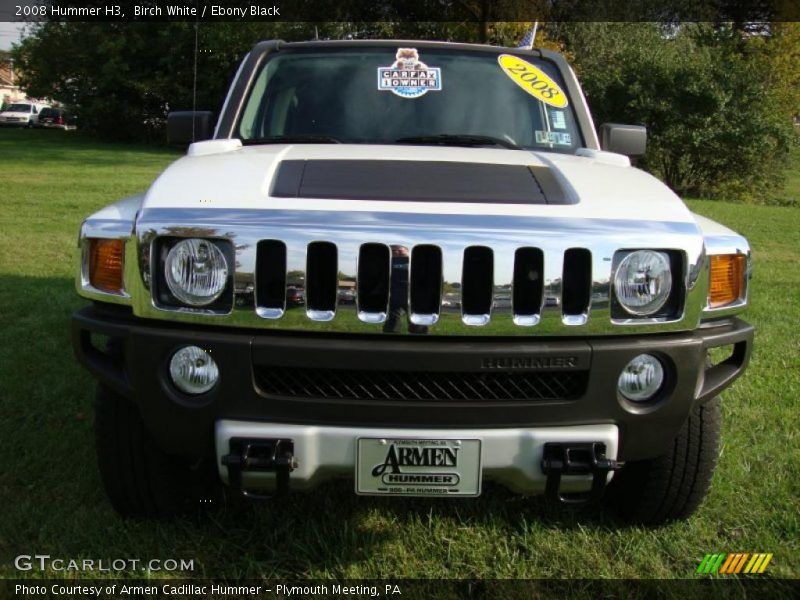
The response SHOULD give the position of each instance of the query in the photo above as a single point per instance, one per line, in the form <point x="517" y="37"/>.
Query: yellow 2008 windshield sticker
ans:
<point x="533" y="80"/>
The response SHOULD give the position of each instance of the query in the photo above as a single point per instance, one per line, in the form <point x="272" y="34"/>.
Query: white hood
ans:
<point x="602" y="185"/>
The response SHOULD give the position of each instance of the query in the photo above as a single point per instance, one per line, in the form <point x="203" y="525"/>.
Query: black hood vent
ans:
<point x="417" y="181"/>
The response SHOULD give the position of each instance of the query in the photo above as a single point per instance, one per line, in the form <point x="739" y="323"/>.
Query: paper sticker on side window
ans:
<point x="557" y="119"/>
<point x="533" y="80"/>
<point x="553" y="137"/>
<point x="408" y="77"/>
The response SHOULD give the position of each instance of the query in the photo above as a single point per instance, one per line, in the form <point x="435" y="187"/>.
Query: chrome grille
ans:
<point x="419" y="386"/>
<point x="334" y="271"/>
<point x="374" y="289"/>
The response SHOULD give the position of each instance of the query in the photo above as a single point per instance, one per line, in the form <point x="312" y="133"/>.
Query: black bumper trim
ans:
<point x="720" y="376"/>
<point x="108" y="367"/>
<point x="185" y="425"/>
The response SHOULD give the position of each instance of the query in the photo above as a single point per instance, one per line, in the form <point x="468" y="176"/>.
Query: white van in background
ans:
<point x="22" y="114"/>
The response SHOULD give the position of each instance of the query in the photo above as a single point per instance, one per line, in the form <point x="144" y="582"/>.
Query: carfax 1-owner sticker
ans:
<point x="533" y="80"/>
<point x="408" y="77"/>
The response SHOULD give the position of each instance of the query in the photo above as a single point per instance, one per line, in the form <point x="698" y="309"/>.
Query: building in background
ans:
<point x="9" y="90"/>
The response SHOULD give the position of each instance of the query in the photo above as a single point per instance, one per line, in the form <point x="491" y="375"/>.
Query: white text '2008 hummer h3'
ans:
<point x="413" y="264"/>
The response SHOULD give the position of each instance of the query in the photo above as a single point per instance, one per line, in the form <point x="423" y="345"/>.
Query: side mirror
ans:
<point x="185" y="127"/>
<point x="630" y="140"/>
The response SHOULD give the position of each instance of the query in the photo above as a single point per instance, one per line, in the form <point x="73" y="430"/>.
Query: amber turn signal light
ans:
<point x="106" y="258"/>
<point x="727" y="279"/>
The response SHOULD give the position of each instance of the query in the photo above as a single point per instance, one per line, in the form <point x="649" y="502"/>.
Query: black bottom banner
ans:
<point x="405" y="589"/>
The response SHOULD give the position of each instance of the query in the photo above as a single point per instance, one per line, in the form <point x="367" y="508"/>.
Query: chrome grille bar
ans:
<point x="339" y="263"/>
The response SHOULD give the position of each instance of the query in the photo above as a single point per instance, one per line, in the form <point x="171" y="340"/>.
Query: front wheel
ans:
<point x="139" y="478"/>
<point x="671" y="486"/>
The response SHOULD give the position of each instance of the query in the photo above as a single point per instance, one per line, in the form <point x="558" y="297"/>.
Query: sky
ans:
<point x="9" y="32"/>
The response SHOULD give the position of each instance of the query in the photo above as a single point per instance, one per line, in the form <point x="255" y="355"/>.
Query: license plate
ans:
<point x="418" y="467"/>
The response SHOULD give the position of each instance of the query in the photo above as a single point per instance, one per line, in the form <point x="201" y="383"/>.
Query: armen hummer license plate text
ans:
<point x="418" y="467"/>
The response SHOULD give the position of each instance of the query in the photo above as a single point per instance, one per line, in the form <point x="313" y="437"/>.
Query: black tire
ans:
<point x="671" y="486"/>
<point x="139" y="478"/>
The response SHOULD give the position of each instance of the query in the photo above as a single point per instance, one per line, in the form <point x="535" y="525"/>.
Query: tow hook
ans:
<point x="264" y="455"/>
<point x="576" y="458"/>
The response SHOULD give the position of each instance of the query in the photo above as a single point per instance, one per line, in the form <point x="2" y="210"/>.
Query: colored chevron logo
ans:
<point x="732" y="563"/>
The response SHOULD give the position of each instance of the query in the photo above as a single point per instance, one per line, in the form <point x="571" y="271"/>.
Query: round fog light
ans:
<point x="193" y="371"/>
<point x="641" y="378"/>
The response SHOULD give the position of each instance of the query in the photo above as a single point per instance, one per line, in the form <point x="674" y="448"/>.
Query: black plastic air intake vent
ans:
<point x="374" y="263"/>
<point x="577" y="282"/>
<point x="528" y="284"/>
<point x="416" y="386"/>
<point x="426" y="281"/>
<point x="477" y="281"/>
<point x="270" y="278"/>
<point x="322" y="279"/>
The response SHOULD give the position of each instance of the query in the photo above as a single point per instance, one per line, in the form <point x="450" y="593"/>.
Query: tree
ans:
<point x="718" y="99"/>
<point x="125" y="77"/>
<point x="718" y="118"/>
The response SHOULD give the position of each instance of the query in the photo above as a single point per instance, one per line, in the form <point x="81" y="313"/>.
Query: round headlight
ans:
<point x="196" y="271"/>
<point x="641" y="378"/>
<point x="193" y="371"/>
<point x="643" y="281"/>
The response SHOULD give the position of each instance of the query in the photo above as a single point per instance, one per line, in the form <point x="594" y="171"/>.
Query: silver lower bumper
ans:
<point x="511" y="457"/>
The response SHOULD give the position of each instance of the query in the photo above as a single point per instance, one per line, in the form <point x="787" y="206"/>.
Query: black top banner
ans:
<point x="740" y="11"/>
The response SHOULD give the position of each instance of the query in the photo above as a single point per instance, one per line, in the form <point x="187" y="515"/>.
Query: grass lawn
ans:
<point x="53" y="502"/>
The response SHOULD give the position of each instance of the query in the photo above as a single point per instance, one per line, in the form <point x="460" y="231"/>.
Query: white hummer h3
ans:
<point x="416" y="265"/>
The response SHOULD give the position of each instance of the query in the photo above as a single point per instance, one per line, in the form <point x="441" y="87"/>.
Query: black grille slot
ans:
<point x="419" y="386"/>
<point x="577" y="281"/>
<point x="373" y="277"/>
<point x="271" y="274"/>
<point x="322" y="277"/>
<point x="477" y="280"/>
<point x="426" y="279"/>
<point x="528" y="281"/>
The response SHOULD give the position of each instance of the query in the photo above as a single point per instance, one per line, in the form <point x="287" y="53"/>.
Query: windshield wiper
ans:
<point x="301" y="138"/>
<point x="458" y="140"/>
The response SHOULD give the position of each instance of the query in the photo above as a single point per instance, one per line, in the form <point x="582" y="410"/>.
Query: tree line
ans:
<point x="720" y="100"/>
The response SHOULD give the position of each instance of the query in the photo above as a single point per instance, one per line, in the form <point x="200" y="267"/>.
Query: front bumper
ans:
<point x="137" y="368"/>
<point x="509" y="456"/>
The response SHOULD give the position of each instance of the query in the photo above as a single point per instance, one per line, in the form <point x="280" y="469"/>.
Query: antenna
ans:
<point x="529" y="38"/>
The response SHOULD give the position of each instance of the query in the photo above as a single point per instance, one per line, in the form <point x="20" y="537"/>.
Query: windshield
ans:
<point x="23" y="108"/>
<point x="387" y="95"/>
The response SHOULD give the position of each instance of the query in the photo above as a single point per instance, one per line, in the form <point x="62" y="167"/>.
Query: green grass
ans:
<point x="52" y="501"/>
<point x="790" y="195"/>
